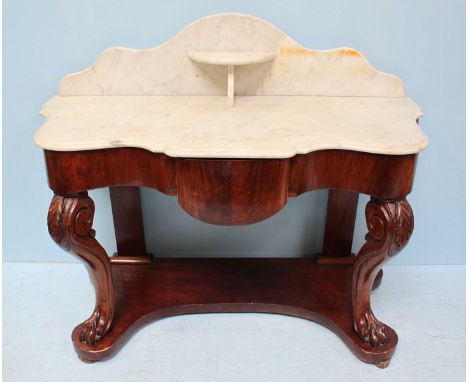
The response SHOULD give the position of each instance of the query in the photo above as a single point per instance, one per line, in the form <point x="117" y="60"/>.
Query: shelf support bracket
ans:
<point x="230" y="85"/>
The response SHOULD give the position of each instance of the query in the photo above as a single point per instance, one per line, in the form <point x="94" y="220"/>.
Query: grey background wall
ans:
<point x="422" y="41"/>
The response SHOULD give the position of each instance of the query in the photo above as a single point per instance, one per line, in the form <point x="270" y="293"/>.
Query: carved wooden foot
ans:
<point x="390" y="224"/>
<point x="70" y="221"/>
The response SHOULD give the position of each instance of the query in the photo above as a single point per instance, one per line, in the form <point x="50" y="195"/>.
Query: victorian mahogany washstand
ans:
<point x="295" y="120"/>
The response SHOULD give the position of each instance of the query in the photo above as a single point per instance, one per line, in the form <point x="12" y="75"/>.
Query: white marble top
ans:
<point x="257" y="127"/>
<point x="286" y="99"/>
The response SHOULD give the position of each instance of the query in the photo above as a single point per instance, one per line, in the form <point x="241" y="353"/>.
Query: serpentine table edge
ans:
<point x="108" y="137"/>
<point x="332" y="289"/>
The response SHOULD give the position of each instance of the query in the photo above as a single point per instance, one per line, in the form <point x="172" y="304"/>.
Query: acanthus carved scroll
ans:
<point x="68" y="217"/>
<point x="70" y="221"/>
<point x="390" y="224"/>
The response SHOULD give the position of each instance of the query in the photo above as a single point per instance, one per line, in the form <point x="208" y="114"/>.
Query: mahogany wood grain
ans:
<point x="296" y="287"/>
<point x="75" y="171"/>
<point x="70" y="222"/>
<point x="128" y="221"/>
<point x="339" y="230"/>
<point x="386" y="176"/>
<point x="334" y="290"/>
<point x="232" y="192"/>
<point x="198" y="180"/>
<point x="339" y="225"/>
<point x="390" y="224"/>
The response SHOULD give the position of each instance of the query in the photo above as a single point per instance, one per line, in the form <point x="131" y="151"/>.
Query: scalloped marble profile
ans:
<point x="167" y="70"/>
<point x="311" y="100"/>
<point x="258" y="127"/>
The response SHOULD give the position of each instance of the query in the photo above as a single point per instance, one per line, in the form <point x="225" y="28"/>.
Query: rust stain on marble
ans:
<point x="296" y="51"/>
<point x="350" y="52"/>
<point x="304" y="52"/>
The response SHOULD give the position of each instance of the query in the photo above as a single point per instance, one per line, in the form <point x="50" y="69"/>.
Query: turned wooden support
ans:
<point x="70" y="221"/>
<point x="390" y="224"/>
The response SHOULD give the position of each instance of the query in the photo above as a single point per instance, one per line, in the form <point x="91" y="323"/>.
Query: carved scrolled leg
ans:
<point x="390" y="224"/>
<point x="70" y="221"/>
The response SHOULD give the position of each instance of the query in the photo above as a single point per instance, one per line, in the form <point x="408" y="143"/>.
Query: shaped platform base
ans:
<point x="295" y="287"/>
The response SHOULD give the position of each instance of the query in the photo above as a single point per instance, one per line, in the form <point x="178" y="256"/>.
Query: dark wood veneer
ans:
<point x="334" y="290"/>
<point x="294" y="287"/>
<point x="232" y="192"/>
<point x="339" y="226"/>
<point x="128" y="221"/>
<point x="215" y="190"/>
<point x="386" y="176"/>
<point x="77" y="171"/>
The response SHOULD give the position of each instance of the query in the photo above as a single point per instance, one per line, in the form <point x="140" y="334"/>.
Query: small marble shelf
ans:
<point x="258" y="127"/>
<point x="231" y="58"/>
<point x="171" y="98"/>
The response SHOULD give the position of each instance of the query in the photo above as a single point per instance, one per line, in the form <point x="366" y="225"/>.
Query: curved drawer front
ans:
<point x="232" y="192"/>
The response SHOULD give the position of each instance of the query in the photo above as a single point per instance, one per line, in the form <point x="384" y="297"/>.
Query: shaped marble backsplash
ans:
<point x="167" y="69"/>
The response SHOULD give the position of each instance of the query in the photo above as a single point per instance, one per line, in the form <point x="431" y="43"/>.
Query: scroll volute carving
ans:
<point x="390" y="224"/>
<point x="70" y="221"/>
